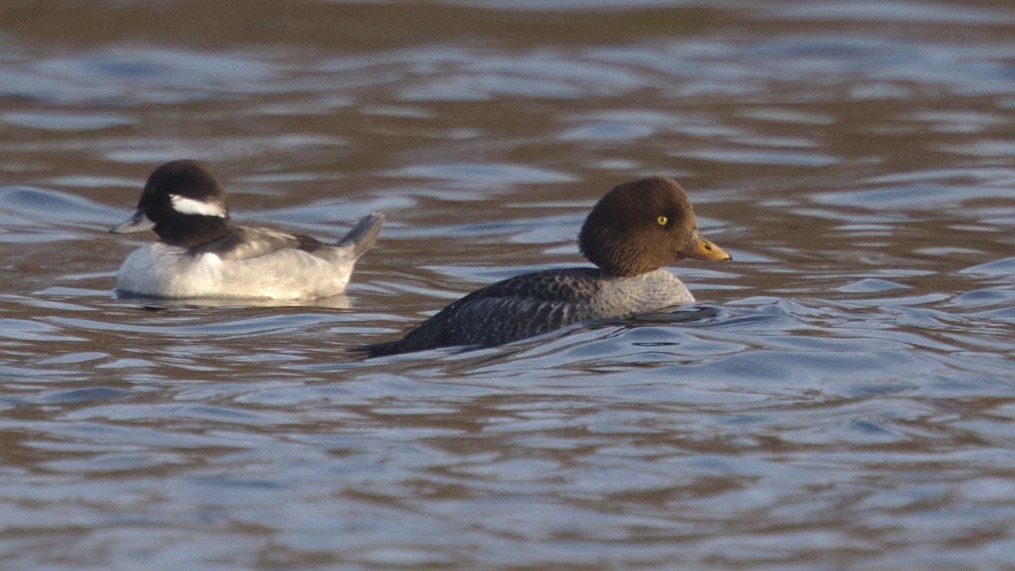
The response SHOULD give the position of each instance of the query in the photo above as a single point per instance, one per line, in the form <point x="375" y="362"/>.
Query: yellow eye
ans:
<point x="662" y="220"/>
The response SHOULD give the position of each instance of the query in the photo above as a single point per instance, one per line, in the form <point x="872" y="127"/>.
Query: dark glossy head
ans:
<point x="643" y="225"/>
<point x="184" y="203"/>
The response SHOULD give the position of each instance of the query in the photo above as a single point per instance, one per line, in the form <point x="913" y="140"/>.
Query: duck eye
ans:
<point x="662" y="220"/>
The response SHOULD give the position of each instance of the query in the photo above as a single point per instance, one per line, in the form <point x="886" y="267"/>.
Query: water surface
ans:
<point x="843" y="397"/>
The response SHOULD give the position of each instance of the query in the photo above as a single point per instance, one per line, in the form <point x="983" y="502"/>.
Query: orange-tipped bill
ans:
<point x="702" y="249"/>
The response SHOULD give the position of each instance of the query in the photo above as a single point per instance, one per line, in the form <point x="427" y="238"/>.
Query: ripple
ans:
<point x="542" y="74"/>
<point x="225" y="327"/>
<point x="23" y="208"/>
<point x="176" y="412"/>
<point x="1004" y="267"/>
<point x="22" y="330"/>
<point x="870" y="285"/>
<point x="798" y="158"/>
<point x="140" y="76"/>
<point x="482" y="175"/>
<point x="67" y="121"/>
<point x="845" y="396"/>
<point x="899" y="12"/>
<point x="82" y="395"/>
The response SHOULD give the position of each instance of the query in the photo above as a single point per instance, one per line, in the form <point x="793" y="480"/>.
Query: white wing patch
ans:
<point x="185" y="205"/>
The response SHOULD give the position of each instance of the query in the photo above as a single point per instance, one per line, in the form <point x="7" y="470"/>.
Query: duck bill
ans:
<point x="702" y="249"/>
<point x="136" y="223"/>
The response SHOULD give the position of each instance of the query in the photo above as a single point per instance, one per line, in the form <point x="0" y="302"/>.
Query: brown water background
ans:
<point x="846" y="402"/>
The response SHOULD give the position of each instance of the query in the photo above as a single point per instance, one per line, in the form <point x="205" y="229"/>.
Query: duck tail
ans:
<point x="363" y="234"/>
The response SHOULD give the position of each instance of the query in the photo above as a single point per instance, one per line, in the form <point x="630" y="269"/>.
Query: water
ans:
<point x="843" y="398"/>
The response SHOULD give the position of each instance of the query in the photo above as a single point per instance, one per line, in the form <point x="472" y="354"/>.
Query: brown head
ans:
<point x="643" y="225"/>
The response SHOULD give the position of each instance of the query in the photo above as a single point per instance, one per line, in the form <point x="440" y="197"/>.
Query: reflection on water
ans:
<point x="842" y="396"/>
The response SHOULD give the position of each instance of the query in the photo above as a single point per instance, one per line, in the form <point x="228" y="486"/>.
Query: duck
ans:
<point x="631" y="233"/>
<point x="201" y="253"/>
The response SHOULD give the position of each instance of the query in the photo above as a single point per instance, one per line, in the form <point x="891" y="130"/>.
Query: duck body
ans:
<point x="536" y="303"/>
<point x="633" y="230"/>
<point x="262" y="263"/>
<point x="202" y="254"/>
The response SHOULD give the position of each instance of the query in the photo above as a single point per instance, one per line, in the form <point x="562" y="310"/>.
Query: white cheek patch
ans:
<point x="185" y="205"/>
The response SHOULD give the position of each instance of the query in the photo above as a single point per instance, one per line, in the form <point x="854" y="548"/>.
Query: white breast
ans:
<point x="638" y="294"/>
